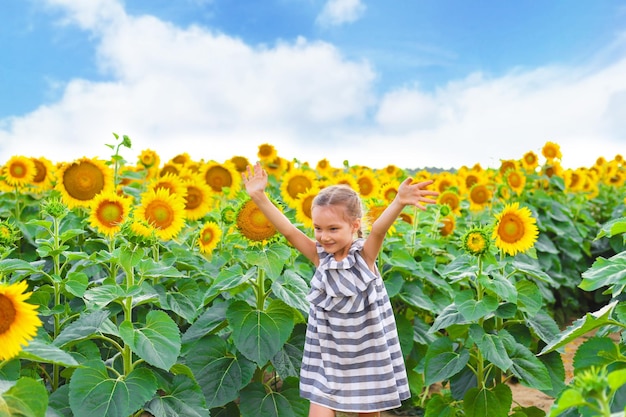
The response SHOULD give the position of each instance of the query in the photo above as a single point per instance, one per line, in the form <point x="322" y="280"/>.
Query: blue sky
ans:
<point x="414" y="83"/>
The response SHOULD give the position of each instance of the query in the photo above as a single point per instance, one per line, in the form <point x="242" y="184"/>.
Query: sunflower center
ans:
<point x="451" y="200"/>
<point x="365" y="186"/>
<point x="479" y="195"/>
<point x="110" y="213"/>
<point x="298" y="185"/>
<point x="40" y="172"/>
<point x="253" y="224"/>
<point x="18" y="170"/>
<point x="515" y="180"/>
<point x="193" y="199"/>
<point x="159" y="214"/>
<point x="476" y="242"/>
<point x="265" y="150"/>
<point x="207" y="236"/>
<point x="83" y="181"/>
<point x="390" y="194"/>
<point x="218" y="177"/>
<point x="7" y="313"/>
<point x="307" y="203"/>
<point x="511" y="228"/>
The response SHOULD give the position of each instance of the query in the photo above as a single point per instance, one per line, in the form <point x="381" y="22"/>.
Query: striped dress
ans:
<point x="352" y="360"/>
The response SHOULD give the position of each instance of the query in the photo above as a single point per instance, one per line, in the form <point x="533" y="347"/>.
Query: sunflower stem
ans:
<point x="260" y="288"/>
<point x="414" y="234"/>
<point x="56" y="227"/>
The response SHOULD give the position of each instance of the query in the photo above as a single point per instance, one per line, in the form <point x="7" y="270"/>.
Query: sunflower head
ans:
<point x="81" y="181"/>
<point x="451" y="199"/>
<point x="530" y="161"/>
<point x="18" y="319"/>
<point x="267" y="152"/>
<point x="448" y="224"/>
<point x="515" y="229"/>
<point x="54" y="207"/>
<point x="551" y="151"/>
<point x="294" y="183"/>
<point x="44" y="174"/>
<point x="240" y="163"/>
<point x="209" y="237"/>
<point x="19" y="171"/>
<point x="253" y="225"/>
<point x="516" y="180"/>
<point x="108" y="212"/>
<point x="368" y="184"/>
<point x="198" y="199"/>
<point x="221" y="176"/>
<point x="476" y="241"/>
<point x="149" y="159"/>
<point x="163" y="211"/>
<point x="479" y="196"/>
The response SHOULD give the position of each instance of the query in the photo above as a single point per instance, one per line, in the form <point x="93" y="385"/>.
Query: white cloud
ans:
<point x="194" y="90"/>
<point x="339" y="12"/>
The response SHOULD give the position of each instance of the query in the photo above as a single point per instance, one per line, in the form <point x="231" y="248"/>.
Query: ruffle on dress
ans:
<point x="347" y="286"/>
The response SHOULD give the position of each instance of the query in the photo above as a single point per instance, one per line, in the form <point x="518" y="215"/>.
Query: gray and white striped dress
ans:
<point x="352" y="360"/>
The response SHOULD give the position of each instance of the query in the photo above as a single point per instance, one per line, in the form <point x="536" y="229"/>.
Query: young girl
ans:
<point x="352" y="360"/>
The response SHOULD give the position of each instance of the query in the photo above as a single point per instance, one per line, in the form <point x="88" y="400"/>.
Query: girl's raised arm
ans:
<point x="409" y="193"/>
<point x="255" y="182"/>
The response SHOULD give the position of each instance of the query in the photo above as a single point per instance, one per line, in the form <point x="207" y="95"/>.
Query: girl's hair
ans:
<point x="341" y="194"/>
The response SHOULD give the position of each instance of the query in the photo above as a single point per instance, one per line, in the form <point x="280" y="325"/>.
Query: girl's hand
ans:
<point x="415" y="194"/>
<point x="255" y="179"/>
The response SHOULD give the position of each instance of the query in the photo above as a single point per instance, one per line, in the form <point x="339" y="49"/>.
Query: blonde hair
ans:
<point x="341" y="195"/>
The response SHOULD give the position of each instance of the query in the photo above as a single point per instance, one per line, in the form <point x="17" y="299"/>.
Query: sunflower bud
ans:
<point x="476" y="241"/>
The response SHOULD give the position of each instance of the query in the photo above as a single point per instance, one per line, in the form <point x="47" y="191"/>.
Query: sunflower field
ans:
<point x="157" y="288"/>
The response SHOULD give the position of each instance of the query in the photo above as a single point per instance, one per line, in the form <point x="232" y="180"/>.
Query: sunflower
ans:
<point x="344" y="178"/>
<point x="516" y="180"/>
<point x="173" y="183"/>
<point x="448" y="224"/>
<point x="170" y="168"/>
<point x="368" y="184"/>
<point x="19" y="171"/>
<point x="373" y="212"/>
<point x="181" y="159"/>
<point x="303" y="207"/>
<point x="240" y="163"/>
<point x="552" y="169"/>
<point x="44" y="174"/>
<point x="551" y="151"/>
<point x="389" y="191"/>
<point x="276" y="167"/>
<point x="444" y="180"/>
<point x="479" y="196"/>
<point x="267" y="152"/>
<point x="476" y="241"/>
<point x="18" y="319"/>
<point x="574" y="179"/>
<point x="323" y="167"/>
<point x="149" y="159"/>
<point x="530" y="161"/>
<point x="451" y="198"/>
<point x="163" y="211"/>
<point x="506" y="165"/>
<point x="198" y="199"/>
<point x="515" y="229"/>
<point x="220" y="176"/>
<point x="79" y="182"/>
<point x="108" y="212"/>
<point x="253" y="225"/>
<point x="209" y="237"/>
<point x="294" y="183"/>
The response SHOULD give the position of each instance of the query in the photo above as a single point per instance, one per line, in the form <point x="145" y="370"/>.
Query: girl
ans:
<point x="352" y="360"/>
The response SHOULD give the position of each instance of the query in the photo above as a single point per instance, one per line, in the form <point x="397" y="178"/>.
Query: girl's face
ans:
<point x="334" y="230"/>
